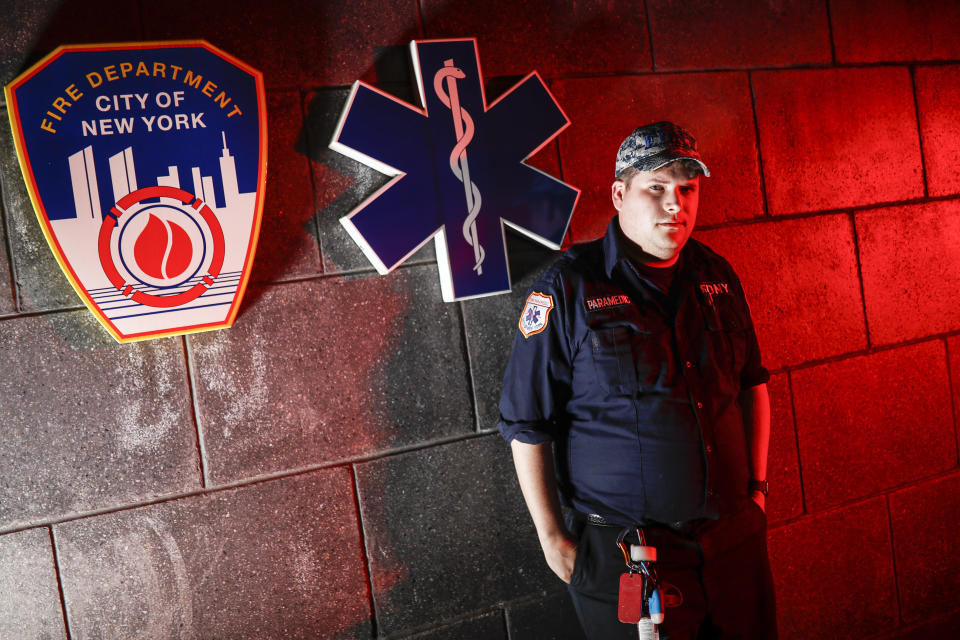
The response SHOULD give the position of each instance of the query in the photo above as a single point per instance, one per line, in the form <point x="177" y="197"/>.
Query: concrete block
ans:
<point x="33" y="28"/>
<point x="29" y="598"/>
<point x="552" y="37"/>
<point x="873" y="422"/>
<point x="549" y="617"/>
<point x="89" y="423"/>
<point x="341" y="184"/>
<point x="491" y="324"/>
<point x="833" y="574"/>
<point x="925" y="541"/>
<point x="938" y="102"/>
<point x="910" y="259"/>
<point x="304" y="42"/>
<point x="605" y="110"/>
<point x="716" y="34"/>
<point x="489" y="626"/>
<point x="447" y="532"/>
<point x="318" y="371"/>
<point x="40" y="283"/>
<point x="7" y="296"/>
<point x="942" y="626"/>
<point x="280" y="559"/>
<point x="835" y="138"/>
<point x="953" y="364"/>
<point x="801" y="281"/>
<point x="865" y="31"/>
<point x="783" y="470"/>
<point x="288" y="244"/>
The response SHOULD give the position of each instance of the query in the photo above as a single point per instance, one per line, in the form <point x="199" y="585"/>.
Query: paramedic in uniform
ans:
<point x="635" y="398"/>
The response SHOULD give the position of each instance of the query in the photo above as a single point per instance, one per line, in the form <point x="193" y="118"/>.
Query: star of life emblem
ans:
<point x="458" y="167"/>
<point x="146" y="164"/>
<point x="535" y="313"/>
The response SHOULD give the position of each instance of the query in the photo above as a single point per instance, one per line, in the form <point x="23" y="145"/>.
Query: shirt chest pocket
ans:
<point x="726" y="338"/>
<point x="615" y="350"/>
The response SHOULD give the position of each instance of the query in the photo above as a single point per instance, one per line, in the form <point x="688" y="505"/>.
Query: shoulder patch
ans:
<point x="535" y="313"/>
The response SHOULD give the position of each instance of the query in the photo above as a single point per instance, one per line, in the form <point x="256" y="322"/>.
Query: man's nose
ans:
<point x="671" y="204"/>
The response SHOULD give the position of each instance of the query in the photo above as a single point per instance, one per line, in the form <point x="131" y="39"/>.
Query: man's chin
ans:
<point x="664" y="255"/>
<point x="672" y="244"/>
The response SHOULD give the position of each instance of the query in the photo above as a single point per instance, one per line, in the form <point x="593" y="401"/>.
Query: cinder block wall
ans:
<point x="329" y="466"/>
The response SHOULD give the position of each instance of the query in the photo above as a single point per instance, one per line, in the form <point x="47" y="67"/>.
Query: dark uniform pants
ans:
<point x="716" y="579"/>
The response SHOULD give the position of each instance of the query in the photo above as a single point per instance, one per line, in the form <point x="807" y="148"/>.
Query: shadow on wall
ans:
<point x="442" y="524"/>
<point x="44" y="25"/>
<point x="339" y="184"/>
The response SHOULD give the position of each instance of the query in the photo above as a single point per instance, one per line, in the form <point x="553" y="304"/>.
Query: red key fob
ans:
<point x="630" y="606"/>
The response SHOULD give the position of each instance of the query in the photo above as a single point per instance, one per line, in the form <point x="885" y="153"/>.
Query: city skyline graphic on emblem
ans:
<point x="146" y="165"/>
<point x="458" y="167"/>
<point x="160" y="247"/>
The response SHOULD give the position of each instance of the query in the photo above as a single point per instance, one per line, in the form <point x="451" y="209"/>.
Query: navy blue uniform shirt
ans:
<point x="638" y="389"/>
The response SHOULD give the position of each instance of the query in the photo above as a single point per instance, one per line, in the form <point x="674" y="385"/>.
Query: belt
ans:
<point x="600" y="521"/>
<point x="680" y="527"/>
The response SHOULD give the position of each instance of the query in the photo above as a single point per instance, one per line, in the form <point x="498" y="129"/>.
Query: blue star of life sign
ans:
<point x="458" y="167"/>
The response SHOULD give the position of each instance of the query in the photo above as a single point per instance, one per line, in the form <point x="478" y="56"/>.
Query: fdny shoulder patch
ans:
<point x="595" y="304"/>
<point x="535" y="313"/>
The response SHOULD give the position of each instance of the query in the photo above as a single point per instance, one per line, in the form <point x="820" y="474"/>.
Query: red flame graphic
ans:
<point x="163" y="249"/>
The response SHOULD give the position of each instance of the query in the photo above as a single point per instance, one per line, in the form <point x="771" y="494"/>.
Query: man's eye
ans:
<point x="656" y="187"/>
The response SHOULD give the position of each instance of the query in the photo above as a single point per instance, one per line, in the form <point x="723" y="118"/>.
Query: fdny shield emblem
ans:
<point x="146" y="165"/>
<point x="458" y="167"/>
<point x="535" y="313"/>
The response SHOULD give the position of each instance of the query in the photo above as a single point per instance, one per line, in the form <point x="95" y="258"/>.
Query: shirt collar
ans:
<point x="613" y="251"/>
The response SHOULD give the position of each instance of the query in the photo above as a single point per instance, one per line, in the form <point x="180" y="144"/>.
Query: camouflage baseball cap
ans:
<point x="654" y="145"/>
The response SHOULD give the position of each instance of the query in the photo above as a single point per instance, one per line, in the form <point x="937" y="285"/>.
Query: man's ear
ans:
<point x="616" y="193"/>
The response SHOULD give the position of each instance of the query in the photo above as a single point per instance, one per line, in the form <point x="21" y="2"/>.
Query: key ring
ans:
<point x="625" y="548"/>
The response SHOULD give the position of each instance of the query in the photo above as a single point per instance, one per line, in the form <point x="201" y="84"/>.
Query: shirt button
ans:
<point x="709" y="449"/>
<point x="699" y="405"/>
<point x="689" y="364"/>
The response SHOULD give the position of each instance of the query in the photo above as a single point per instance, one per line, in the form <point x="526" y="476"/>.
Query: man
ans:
<point x="636" y="359"/>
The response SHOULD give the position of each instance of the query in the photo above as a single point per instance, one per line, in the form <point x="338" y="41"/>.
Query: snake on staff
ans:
<point x="464" y="129"/>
